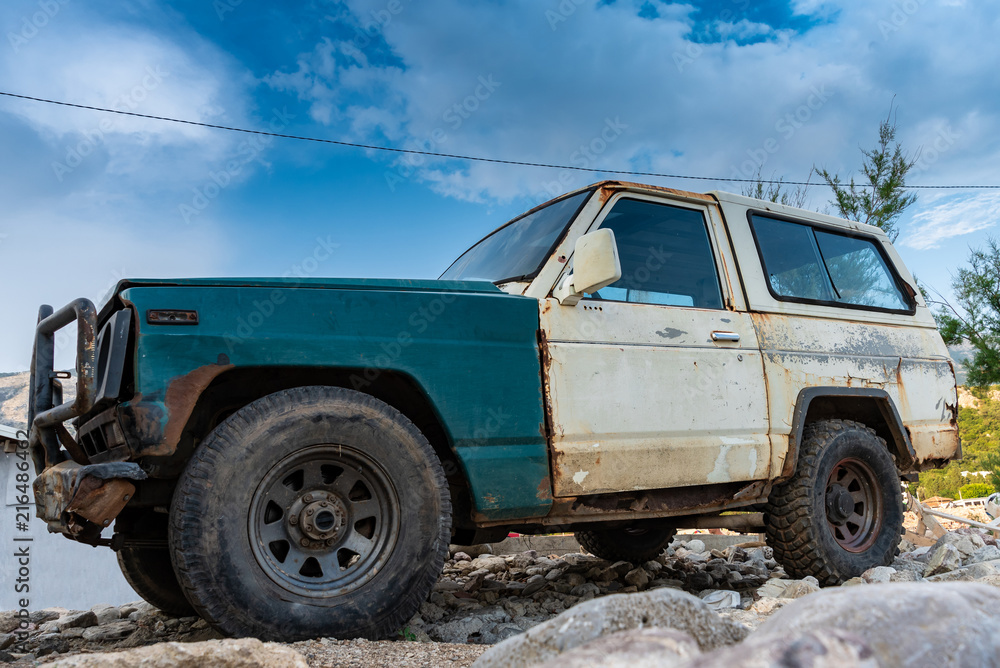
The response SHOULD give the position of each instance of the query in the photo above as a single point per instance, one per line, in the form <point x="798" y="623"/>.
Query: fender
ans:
<point x="893" y="423"/>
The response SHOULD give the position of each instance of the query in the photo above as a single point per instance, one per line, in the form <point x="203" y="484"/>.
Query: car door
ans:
<point x="656" y="381"/>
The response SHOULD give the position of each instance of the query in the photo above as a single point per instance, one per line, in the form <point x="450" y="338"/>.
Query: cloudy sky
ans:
<point x="714" y="89"/>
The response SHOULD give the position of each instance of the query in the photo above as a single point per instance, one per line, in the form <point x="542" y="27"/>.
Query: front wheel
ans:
<point x="313" y="512"/>
<point x="841" y="513"/>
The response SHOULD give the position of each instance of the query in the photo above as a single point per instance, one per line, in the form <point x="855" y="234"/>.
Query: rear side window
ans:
<point x="809" y="264"/>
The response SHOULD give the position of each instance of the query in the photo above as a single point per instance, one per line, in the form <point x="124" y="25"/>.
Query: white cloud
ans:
<point x="945" y="217"/>
<point x="703" y="109"/>
<point x="93" y="197"/>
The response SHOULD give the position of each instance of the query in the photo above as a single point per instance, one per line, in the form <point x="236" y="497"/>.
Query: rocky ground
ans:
<point x="483" y="600"/>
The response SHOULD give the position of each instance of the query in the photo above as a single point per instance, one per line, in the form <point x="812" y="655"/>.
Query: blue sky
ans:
<point x="715" y="89"/>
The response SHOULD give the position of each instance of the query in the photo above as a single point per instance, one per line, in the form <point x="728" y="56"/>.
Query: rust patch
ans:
<point x="614" y="186"/>
<point x="544" y="490"/>
<point x="100" y="501"/>
<point x="182" y="396"/>
<point x="82" y="500"/>
<point x="904" y="403"/>
<point x="606" y="191"/>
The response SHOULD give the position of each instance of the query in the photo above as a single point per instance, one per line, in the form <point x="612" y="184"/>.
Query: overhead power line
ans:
<point x="472" y="158"/>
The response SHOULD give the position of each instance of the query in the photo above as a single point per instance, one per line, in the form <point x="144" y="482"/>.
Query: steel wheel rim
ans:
<point x="854" y="510"/>
<point x="348" y="535"/>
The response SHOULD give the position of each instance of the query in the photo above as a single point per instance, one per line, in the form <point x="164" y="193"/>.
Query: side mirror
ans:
<point x="595" y="266"/>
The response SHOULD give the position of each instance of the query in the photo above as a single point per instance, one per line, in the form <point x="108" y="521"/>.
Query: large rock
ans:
<point x="966" y="541"/>
<point x="944" y="558"/>
<point x="106" y="613"/>
<point x="638" y="648"/>
<point x="976" y="572"/>
<point x="243" y="653"/>
<point x="489" y="563"/>
<point x="110" y="631"/>
<point x="10" y="621"/>
<point x="77" y="620"/>
<point x="816" y="649"/>
<point x="666" y="608"/>
<point x="905" y="624"/>
<point x="986" y="553"/>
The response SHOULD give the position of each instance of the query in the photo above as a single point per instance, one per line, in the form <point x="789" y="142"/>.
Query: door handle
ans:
<point x="732" y="337"/>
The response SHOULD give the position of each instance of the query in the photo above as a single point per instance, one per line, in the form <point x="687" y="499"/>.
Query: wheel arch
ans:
<point x="238" y="387"/>
<point x="871" y="406"/>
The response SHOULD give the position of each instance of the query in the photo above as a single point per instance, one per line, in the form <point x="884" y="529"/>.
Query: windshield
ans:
<point x="517" y="249"/>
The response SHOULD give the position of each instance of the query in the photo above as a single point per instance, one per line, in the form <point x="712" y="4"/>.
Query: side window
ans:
<point x="809" y="264"/>
<point x="666" y="256"/>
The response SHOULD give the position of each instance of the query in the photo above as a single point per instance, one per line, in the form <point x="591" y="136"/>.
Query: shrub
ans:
<point x="975" y="490"/>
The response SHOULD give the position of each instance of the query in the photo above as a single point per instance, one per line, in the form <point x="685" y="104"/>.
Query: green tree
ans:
<point x="977" y="318"/>
<point x="774" y="191"/>
<point x="881" y="196"/>
<point x="991" y="463"/>
<point x="980" y="429"/>
<point x="975" y="490"/>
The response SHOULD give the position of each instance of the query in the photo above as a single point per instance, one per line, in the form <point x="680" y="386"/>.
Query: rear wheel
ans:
<point x="312" y="512"/>
<point x="149" y="571"/>
<point x="841" y="513"/>
<point x="640" y="542"/>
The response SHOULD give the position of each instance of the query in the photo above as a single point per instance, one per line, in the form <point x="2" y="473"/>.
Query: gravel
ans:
<point x="481" y="601"/>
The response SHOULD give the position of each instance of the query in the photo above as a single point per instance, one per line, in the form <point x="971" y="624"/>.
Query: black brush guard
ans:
<point x="46" y="412"/>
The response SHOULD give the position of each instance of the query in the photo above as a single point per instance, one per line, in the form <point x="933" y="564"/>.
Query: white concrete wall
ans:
<point x="62" y="572"/>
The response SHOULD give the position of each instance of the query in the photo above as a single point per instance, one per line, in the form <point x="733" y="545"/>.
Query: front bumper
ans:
<point x="81" y="500"/>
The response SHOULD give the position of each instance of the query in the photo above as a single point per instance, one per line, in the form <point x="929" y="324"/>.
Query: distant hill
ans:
<point x="959" y="353"/>
<point x="14" y="398"/>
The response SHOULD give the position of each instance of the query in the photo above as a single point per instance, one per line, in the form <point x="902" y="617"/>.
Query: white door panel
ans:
<point x="650" y="401"/>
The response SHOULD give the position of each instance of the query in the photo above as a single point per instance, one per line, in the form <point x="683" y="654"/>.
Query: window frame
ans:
<point x="706" y="220"/>
<point x="903" y="287"/>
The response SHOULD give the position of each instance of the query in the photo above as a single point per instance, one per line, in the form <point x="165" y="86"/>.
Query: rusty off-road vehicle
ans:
<point x="290" y="458"/>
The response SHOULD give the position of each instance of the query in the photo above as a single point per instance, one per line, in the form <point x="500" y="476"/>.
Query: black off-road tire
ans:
<point x="842" y="467"/>
<point x="373" y="483"/>
<point x="149" y="571"/>
<point x="636" y="544"/>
